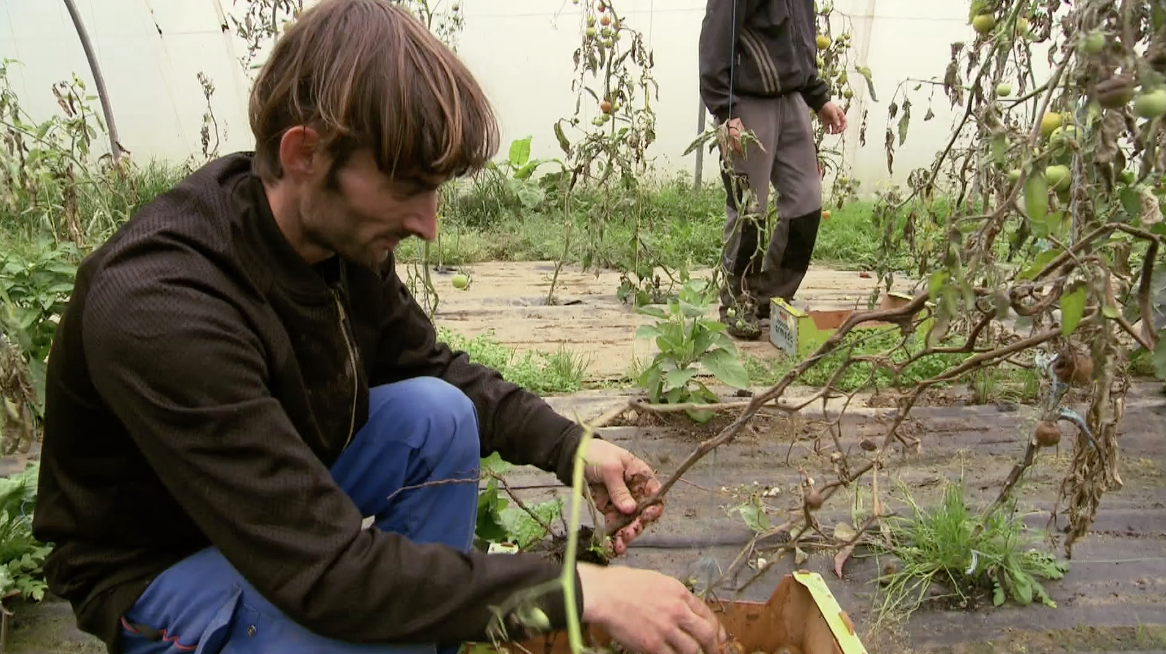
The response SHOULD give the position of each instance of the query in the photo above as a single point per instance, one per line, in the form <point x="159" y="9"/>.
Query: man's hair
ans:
<point x="367" y="73"/>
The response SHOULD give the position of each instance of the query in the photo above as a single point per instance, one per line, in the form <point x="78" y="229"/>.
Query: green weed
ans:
<point x="21" y="555"/>
<point x="941" y="546"/>
<point x="558" y="372"/>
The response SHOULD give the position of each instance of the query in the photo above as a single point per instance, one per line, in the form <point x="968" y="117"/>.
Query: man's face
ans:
<point x="368" y="214"/>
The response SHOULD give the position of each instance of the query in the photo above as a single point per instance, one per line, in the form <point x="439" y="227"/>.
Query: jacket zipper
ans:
<point x="351" y="362"/>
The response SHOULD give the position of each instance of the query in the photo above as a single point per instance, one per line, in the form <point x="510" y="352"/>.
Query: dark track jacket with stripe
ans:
<point x="758" y="48"/>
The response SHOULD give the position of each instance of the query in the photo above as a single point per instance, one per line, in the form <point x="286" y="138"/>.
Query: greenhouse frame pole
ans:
<point x="95" y="69"/>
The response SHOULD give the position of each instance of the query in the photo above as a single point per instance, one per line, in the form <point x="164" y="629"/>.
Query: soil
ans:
<point x="1112" y="599"/>
<point x="509" y="298"/>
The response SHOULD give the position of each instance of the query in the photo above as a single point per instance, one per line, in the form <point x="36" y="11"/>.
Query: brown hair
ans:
<point x="367" y="73"/>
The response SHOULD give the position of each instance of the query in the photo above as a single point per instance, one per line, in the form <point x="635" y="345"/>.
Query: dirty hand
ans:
<point x="833" y="117"/>
<point x="735" y="129"/>
<point x="619" y="481"/>
<point x="648" y="612"/>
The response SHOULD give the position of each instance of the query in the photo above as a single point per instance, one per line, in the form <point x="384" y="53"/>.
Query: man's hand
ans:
<point x="833" y="118"/>
<point x="731" y="135"/>
<point x="619" y="481"/>
<point x="648" y="612"/>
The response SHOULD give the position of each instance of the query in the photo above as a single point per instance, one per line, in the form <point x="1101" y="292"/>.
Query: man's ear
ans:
<point x="299" y="153"/>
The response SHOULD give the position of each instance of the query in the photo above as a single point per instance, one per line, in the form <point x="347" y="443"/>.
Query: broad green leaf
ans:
<point x="527" y="169"/>
<point x="935" y="283"/>
<point x="726" y="367"/>
<point x="1072" y="309"/>
<point x="520" y="151"/>
<point x="703" y="341"/>
<point x="1131" y="201"/>
<point x="525" y="530"/>
<point x="529" y="195"/>
<point x="495" y="464"/>
<point x="648" y="331"/>
<point x="654" y="310"/>
<point x="700" y="417"/>
<point x="754" y="517"/>
<point x="678" y="378"/>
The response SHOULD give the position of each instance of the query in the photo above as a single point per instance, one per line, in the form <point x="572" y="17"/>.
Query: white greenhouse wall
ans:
<point x="151" y="50"/>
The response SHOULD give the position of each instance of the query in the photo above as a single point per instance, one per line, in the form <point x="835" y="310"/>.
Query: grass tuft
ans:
<point x="557" y="372"/>
<point x="941" y="548"/>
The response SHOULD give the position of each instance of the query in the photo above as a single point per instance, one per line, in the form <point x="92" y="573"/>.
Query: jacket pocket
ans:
<point x="768" y="14"/>
<point x="205" y="631"/>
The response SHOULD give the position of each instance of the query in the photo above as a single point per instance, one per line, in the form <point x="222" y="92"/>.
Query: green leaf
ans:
<point x="726" y="367"/>
<point x="904" y="121"/>
<point x="1043" y="259"/>
<point x="699" y="416"/>
<point x="527" y="169"/>
<point x="703" y="341"/>
<point x="678" y="378"/>
<point x="524" y="530"/>
<point x="1036" y="195"/>
<point x="1110" y="311"/>
<point x="648" y="331"/>
<point x="1023" y="587"/>
<point x="495" y="464"/>
<point x="490" y="504"/>
<point x="1054" y="223"/>
<point x="520" y="151"/>
<point x="564" y="144"/>
<point x="1159" y="359"/>
<point x="754" y="516"/>
<point x="867" y="75"/>
<point x="654" y="310"/>
<point x="1131" y="201"/>
<point x="1072" y="309"/>
<point x="651" y="379"/>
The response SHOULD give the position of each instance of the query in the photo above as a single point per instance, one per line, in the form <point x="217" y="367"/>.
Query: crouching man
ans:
<point x="241" y="378"/>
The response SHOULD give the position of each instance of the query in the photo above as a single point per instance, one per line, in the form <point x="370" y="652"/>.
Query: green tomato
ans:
<point x="1094" y="42"/>
<point x="1151" y="104"/>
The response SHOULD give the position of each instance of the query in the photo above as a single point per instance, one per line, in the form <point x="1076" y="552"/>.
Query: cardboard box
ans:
<point x="798" y="333"/>
<point x="801" y="614"/>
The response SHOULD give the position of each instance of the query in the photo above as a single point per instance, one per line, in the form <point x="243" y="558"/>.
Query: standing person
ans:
<point x="758" y="73"/>
<point x="241" y="379"/>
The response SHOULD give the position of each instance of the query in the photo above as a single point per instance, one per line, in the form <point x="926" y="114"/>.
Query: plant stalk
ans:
<point x="98" y="79"/>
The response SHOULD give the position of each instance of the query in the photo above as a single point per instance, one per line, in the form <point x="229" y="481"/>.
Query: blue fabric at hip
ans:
<point x="419" y="430"/>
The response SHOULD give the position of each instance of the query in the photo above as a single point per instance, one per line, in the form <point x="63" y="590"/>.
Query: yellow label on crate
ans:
<point x="840" y="623"/>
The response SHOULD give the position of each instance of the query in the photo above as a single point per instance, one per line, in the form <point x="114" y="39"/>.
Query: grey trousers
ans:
<point x="783" y="154"/>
